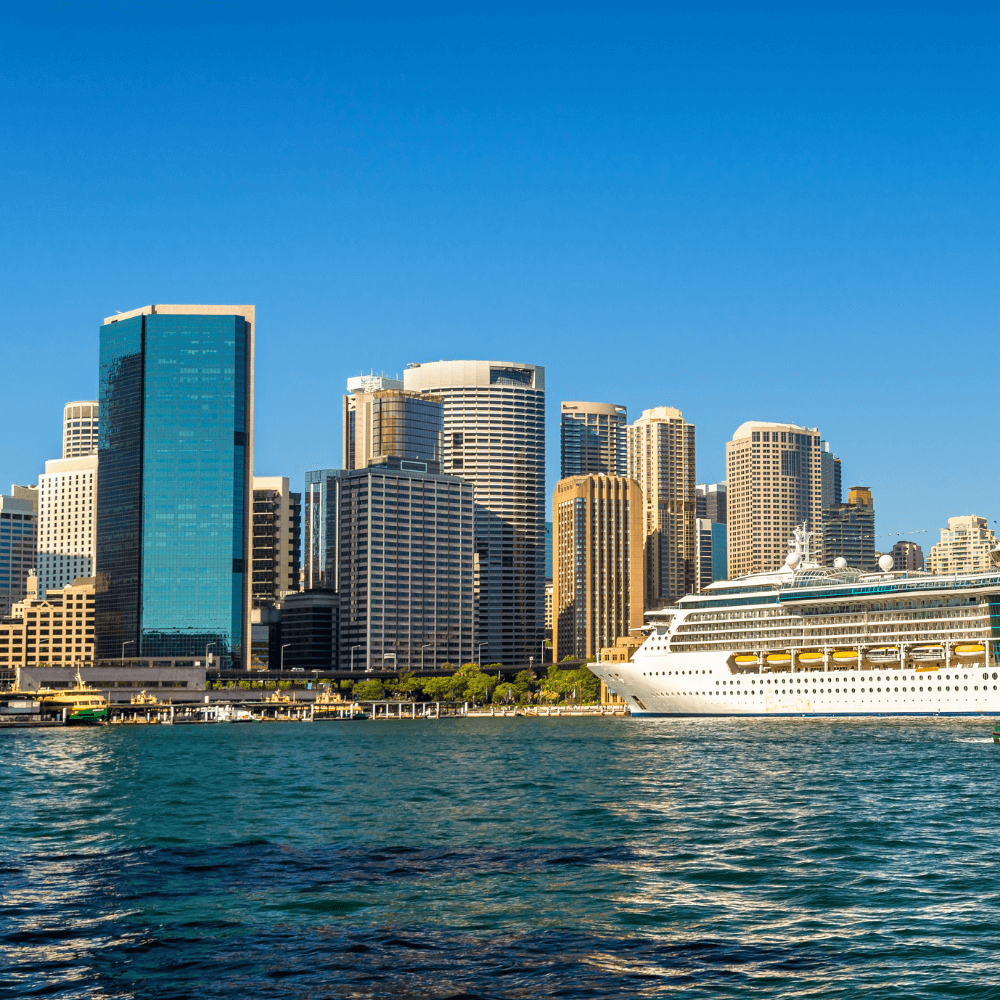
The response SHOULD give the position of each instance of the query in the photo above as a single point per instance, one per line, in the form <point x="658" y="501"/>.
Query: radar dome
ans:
<point x="840" y="563"/>
<point x="885" y="562"/>
<point x="792" y="560"/>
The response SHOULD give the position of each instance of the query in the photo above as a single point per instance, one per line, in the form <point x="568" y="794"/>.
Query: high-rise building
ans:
<point x="67" y="522"/>
<point x="710" y="502"/>
<point x="406" y="425"/>
<point x="321" y="529"/>
<point x="173" y="497"/>
<point x="710" y="552"/>
<point x="774" y="481"/>
<point x="494" y="438"/>
<point x="548" y="551"/>
<point x="966" y="546"/>
<point x="849" y="530"/>
<point x="597" y="582"/>
<point x="830" y="475"/>
<point x="277" y="535"/>
<point x="406" y="582"/>
<point x="661" y="460"/>
<point x="80" y="426"/>
<point x="907" y="556"/>
<point x="593" y="439"/>
<point x="310" y="632"/>
<point x="18" y="528"/>
<point x="29" y="493"/>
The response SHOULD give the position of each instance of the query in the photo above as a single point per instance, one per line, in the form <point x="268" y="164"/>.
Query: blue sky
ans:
<point x="773" y="214"/>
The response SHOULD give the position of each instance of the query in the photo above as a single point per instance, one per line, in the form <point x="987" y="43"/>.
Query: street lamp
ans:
<point x="131" y="642"/>
<point x="208" y="662"/>
<point x="360" y="645"/>
<point x="481" y="653"/>
<point x="281" y="666"/>
<point x="394" y="666"/>
<point x="422" y="648"/>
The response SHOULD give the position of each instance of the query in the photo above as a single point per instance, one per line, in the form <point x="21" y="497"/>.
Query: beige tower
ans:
<point x="775" y="482"/>
<point x="67" y="522"/>
<point x="80" y="428"/>
<point x="277" y="515"/>
<point x="661" y="460"/>
<point x="597" y="554"/>
<point x="966" y="546"/>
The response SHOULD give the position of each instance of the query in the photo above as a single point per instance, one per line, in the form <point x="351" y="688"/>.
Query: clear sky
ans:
<point x="771" y="215"/>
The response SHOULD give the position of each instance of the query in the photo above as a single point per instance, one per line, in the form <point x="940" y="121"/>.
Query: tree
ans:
<point x="370" y="690"/>
<point x="439" y="688"/>
<point x="404" y="684"/>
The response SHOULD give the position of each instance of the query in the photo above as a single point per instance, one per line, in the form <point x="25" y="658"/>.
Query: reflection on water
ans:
<point x="501" y="858"/>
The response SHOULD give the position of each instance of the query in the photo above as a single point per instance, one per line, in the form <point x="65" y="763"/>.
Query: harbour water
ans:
<point x="502" y="858"/>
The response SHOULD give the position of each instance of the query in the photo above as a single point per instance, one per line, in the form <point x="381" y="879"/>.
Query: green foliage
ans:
<point x="439" y="688"/>
<point x="284" y="685"/>
<point x="561" y="685"/>
<point x="404" y="684"/>
<point x="270" y="685"/>
<point x="346" y="685"/>
<point x="370" y="690"/>
<point x="244" y="685"/>
<point x="568" y="657"/>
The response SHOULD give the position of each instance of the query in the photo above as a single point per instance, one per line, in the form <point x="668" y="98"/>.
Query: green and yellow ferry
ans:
<point x="85" y="706"/>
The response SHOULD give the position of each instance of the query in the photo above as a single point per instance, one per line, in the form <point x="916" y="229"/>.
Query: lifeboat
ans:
<point x="810" y="659"/>
<point x="779" y="659"/>
<point x="845" y="656"/>
<point x="884" y="654"/>
<point x="924" y="653"/>
<point x="745" y="660"/>
<point x="970" y="650"/>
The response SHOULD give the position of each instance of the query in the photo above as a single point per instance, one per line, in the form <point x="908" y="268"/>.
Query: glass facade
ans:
<point x="320" y="528"/>
<point x="407" y="426"/>
<point x="171" y="509"/>
<point x="593" y="439"/>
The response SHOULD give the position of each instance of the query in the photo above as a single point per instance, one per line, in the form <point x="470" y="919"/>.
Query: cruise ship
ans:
<point x="811" y="640"/>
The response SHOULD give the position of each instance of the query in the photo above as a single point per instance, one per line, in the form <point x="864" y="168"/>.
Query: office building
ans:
<point x="80" y="426"/>
<point x="907" y="556"/>
<point x="548" y="551"/>
<point x="597" y="582"/>
<point x="548" y="609"/>
<point x="276" y="539"/>
<point x="67" y="522"/>
<point x="710" y="502"/>
<point x="173" y="496"/>
<point x="593" y="439"/>
<point x="849" y="531"/>
<point x="966" y="546"/>
<point x="711" y="557"/>
<point x="57" y="629"/>
<point x="830" y="475"/>
<point x="310" y="632"/>
<point x="406" y="584"/>
<point x="661" y="460"/>
<point x="774" y="479"/>
<point x="494" y="438"/>
<point x="394" y="422"/>
<point x="18" y="527"/>
<point x="321" y="529"/>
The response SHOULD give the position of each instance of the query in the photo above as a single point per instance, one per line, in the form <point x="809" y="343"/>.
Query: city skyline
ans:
<point x="692" y="225"/>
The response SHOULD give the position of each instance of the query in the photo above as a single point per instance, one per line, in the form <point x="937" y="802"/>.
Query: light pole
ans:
<point x="208" y="662"/>
<point x="360" y="645"/>
<point x="481" y="654"/>
<point x="281" y="666"/>
<point x="131" y="642"/>
<point x="394" y="666"/>
<point x="542" y="660"/>
<point x="422" y="648"/>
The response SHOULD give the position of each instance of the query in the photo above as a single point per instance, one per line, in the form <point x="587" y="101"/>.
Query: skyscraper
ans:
<point x="406" y="425"/>
<point x="321" y="529"/>
<point x="494" y="438"/>
<point x="710" y="499"/>
<point x="80" y="424"/>
<point x="17" y="549"/>
<point x="966" y="546"/>
<point x="176" y="454"/>
<point x="849" y="530"/>
<point x="67" y="522"/>
<point x="661" y="460"/>
<point x="406" y="582"/>
<point x="774" y="483"/>
<point x="710" y="552"/>
<point x="593" y="439"/>
<point x="277" y="529"/>
<point x="597" y="549"/>
<point x="831" y="475"/>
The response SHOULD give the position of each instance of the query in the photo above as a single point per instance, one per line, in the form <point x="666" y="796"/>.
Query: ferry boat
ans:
<point x="814" y="640"/>
<point x="84" y="705"/>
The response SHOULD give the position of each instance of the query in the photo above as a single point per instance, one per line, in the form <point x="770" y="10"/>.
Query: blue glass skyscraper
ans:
<point x="176" y="454"/>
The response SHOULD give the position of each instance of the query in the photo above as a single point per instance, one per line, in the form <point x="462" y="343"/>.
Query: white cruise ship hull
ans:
<point x="702" y="684"/>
